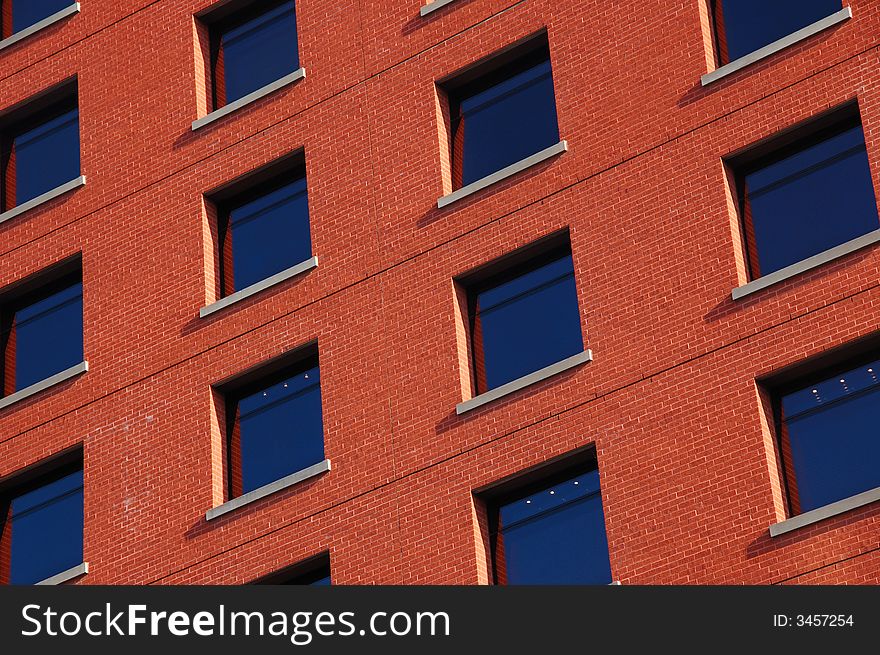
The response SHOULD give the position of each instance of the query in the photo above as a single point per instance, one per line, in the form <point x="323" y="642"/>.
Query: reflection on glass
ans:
<point x="554" y="536"/>
<point x="808" y="201"/>
<point x="743" y="26"/>
<point x="501" y="121"/>
<point x="43" y="532"/>
<point x="526" y="322"/>
<point x="830" y="443"/>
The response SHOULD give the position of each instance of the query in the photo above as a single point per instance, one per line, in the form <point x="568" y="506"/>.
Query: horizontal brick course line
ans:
<point x="512" y="433"/>
<point x="78" y="41"/>
<point x="825" y="566"/>
<point x="415" y="256"/>
<point x="360" y="83"/>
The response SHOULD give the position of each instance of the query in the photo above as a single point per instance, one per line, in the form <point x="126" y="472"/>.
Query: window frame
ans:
<point x="30" y="115"/>
<point x="525" y="483"/>
<point x="25" y="293"/>
<point x="34" y="477"/>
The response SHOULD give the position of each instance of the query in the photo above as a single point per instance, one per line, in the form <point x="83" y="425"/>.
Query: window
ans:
<point x="263" y="230"/>
<point x="743" y="26"/>
<point x="505" y="114"/>
<point x="39" y="151"/>
<point x="42" y="328"/>
<point x="523" y="314"/>
<point x="828" y="438"/>
<point x="551" y="531"/>
<point x="805" y="195"/>
<point x="313" y="572"/>
<point x="251" y="47"/>
<point x="17" y="15"/>
<point x="274" y="426"/>
<point x="42" y="525"/>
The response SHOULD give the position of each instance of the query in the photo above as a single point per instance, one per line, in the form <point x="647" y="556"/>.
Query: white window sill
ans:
<point x="268" y="489"/>
<point x="249" y="98"/>
<point x="256" y="288"/>
<point x="42" y="385"/>
<point x="434" y="6"/>
<point x="807" y="264"/>
<point x="826" y="512"/>
<point x="503" y="174"/>
<point x="523" y="382"/>
<point x="41" y="25"/>
<point x="65" y="576"/>
<point x="46" y="197"/>
<point x="772" y="48"/>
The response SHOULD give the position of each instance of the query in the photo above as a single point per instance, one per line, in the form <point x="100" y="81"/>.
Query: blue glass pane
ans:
<point x="835" y="443"/>
<point x="46" y="530"/>
<point x="557" y="535"/>
<point x="48" y="336"/>
<point x="281" y="430"/>
<point x="27" y="12"/>
<point x="260" y="51"/>
<point x="270" y="234"/>
<point x="508" y="122"/>
<point x="46" y="156"/>
<point x="323" y="582"/>
<point x="752" y="24"/>
<point x="528" y="323"/>
<point x="815" y="199"/>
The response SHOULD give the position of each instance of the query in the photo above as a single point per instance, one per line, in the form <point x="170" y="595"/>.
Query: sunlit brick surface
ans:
<point x="685" y="451"/>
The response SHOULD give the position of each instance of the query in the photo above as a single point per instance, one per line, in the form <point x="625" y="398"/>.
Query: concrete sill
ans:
<point x="64" y="576"/>
<point x="43" y="24"/>
<point x="772" y="48"/>
<point x="525" y="381"/>
<point x="807" y="264"/>
<point x="268" y="489"/>
<point x="826" y="512"/>
<point x="503" y="174"/>
<point x="434" y="6"/>
<point x="249" y="98"/>
<point x="46" y="197"/>
<point x="257" y="287"/>
<point x="42" y="385"/>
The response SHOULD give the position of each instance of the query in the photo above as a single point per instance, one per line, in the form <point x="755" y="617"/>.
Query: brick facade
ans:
<point x="685" y="448"/>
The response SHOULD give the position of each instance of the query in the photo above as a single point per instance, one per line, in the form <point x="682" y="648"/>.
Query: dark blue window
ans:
<point x="25" y="13"/>
<point x="253" y="49"/>
<point x="524" y="319"/>
<point x="502" y="118"/>
<point x="40" y="154"/>
<point x="42" y="529"/>
<point x="807" y="198"/>
<point x="315" y="572"/>
<point x="554" y="534"/>
<point x="275" y="428"/>
<point x="263" y="233"/>
<point x="828" y="430"/>
<point x="42" y="334"/>
<point x="743" y="26"/>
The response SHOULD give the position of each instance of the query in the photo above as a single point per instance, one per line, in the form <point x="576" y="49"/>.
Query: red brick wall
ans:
<point x="686" y="457"/>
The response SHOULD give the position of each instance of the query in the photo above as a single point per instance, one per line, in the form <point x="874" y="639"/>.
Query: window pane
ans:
<point x="46" y="156"/>
<point x="527" y="323"/>
<point x="48" y="336"/>
<point x="752" y="24"/>
<point x="321" y="582"/>
<point x="813" y="200"/>
<point x="556" y="536"/>
<point x="27" y="12"/>
<point x="270" y="234"/>
<point x="832" y="429"/>
<point x="259" y="51"/>
<point x="281" y="430"/>
<point x="507" y="122"/>
<point x="45" y="531"/>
